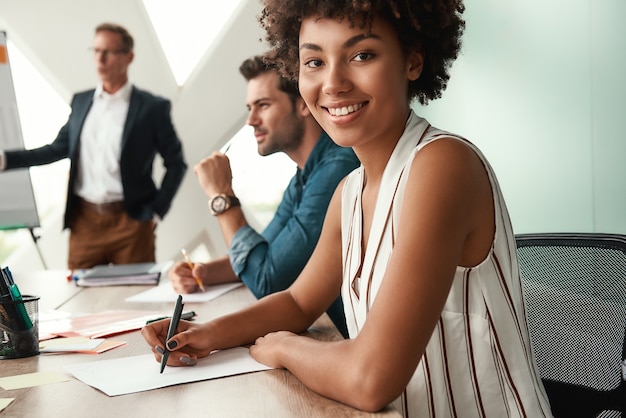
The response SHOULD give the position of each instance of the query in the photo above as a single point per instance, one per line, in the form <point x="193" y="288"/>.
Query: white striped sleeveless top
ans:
<point x="478" y="362"/>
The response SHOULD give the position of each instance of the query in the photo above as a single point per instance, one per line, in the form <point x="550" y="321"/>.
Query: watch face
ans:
<point x="218" y="204"/>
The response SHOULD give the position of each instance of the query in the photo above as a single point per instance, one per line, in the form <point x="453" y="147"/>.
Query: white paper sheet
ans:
<point x="165" y="293"/>
<point x="4" y="402"/>
<point x="64" y="345"/>
<point x="141" y="373"/>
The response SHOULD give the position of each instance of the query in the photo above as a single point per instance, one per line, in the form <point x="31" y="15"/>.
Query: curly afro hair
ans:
<point x="434" y="27"/>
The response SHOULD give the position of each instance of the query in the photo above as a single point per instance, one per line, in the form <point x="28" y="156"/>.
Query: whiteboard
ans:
<point x="17" y="200"/>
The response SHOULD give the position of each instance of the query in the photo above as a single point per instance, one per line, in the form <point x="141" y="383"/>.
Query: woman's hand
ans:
<point x="267" y="349"/>
<point x="191" y="341"/>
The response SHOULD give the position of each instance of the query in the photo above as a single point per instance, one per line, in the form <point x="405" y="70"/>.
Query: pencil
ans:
<point x="190" y="264"/>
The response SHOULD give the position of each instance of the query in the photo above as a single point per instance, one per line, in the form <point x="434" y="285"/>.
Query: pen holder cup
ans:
<point x="19" y="327"/>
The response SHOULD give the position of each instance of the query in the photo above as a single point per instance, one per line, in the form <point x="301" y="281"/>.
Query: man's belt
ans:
<point x="102" y="208"/>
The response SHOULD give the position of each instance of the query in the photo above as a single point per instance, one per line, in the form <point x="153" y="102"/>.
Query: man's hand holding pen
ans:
<point x="191" y="267"/>
<point x="184" y="279"/>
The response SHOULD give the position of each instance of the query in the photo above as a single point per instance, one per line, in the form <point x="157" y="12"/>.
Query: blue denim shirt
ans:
<point x="271" y="261"/>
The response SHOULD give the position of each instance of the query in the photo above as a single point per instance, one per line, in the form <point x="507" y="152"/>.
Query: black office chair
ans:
<point x="575" y="294"/>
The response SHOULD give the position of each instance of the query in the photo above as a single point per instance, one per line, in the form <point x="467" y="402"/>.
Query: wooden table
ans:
<point x="274" y="393"/>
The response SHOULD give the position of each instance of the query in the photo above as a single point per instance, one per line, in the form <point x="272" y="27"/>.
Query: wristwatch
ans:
<point x="221" y="203"/>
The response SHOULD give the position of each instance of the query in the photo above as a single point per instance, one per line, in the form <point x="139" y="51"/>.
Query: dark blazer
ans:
<point x="148" y="130"/>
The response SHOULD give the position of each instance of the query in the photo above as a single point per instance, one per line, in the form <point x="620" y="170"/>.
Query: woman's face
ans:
<point x="355" y="84"/>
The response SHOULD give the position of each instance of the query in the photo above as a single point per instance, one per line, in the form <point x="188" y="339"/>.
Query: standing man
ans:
<point x="111" y="138"/>
<point x="270" y="261"/>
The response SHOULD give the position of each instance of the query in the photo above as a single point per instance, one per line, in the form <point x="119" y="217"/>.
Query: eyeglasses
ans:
<point x="105" y="52"/>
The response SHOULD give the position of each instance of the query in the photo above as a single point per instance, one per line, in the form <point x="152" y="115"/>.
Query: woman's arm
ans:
<point x="446" y="210"/>
<point x="447" y="220"/>
<point x="293" y="309"/>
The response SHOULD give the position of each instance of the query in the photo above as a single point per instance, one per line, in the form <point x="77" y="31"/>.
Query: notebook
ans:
<point x="123" y="274"/>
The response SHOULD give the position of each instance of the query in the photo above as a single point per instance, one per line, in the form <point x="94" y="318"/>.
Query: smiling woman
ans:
<point x="513" y="75"/>
<point x="340" y="83"/>
<point x="417" y="240"/>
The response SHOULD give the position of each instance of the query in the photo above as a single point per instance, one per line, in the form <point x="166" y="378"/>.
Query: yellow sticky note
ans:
<point x="31" y="379"/>
<point x="3" y="54"/>
<point x="4" y="402"/>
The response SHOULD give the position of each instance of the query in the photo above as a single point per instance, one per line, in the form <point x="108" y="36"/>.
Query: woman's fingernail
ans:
<point x="188" y="361"/>
<point x="159" y="349"/>
<point x="172" y="344"/>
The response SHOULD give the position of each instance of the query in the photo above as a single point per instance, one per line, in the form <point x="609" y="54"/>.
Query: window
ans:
<point x="258" y="181"/>
<point x="186" y="29"/>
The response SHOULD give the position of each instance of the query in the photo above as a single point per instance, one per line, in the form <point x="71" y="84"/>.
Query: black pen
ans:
<point x="178" y="310"/>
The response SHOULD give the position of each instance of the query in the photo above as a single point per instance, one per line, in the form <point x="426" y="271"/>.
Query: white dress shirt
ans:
<point x="99" y="178"/>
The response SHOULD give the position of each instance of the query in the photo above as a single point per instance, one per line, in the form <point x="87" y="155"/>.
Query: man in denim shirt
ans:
<point x="271" y="261"/>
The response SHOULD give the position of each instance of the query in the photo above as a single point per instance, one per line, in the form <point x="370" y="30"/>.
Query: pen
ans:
<point x="5" y="293"/>
<point x="185" y="315"/>
<point x="8" y="312"/>
<point x="22" y="319"/>
<point x="190" y="264"/>
<point x="178" y="309"/>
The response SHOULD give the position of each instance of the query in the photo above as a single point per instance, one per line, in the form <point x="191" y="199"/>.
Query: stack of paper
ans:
<point x="97" y="325"/>
<point x="123" y="274"/>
